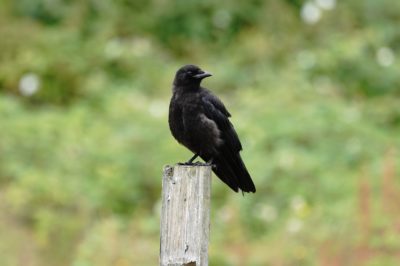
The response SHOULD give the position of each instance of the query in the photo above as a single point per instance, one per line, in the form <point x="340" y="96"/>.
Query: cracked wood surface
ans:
<point x="185" y="215"/>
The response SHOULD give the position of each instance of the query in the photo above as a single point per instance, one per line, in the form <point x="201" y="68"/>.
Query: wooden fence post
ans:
<point x="185" y="215"/>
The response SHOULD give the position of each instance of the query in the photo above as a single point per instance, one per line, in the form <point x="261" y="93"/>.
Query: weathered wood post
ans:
<point x="185" y="215"/>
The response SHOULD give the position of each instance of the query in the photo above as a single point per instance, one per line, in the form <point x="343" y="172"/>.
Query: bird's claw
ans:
<point x="204" y="164"/>
<point x="198" y="163"/>
<point x="211" y="164"/>
<point x="186" y="163"/>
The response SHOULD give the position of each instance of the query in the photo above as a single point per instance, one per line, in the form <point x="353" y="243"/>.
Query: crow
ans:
<point x="199" y="120"/>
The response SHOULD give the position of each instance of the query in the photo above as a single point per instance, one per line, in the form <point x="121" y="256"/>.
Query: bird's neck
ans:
<point x="186" y="88"/>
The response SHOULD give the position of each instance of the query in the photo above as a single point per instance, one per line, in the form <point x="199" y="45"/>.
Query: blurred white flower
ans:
<point x="141" y="46"/>
<point x="113" y="48"/>
<point x="157" y="108"/>
<point x="294" y="225"/>
<point x="298" y="203"/>
<point x="385" y="56"/>
<point x="326" y="4"/>
<point x="222" y="19"/>
<point x="225" y="214"/>
<point x="351" y="115"/>
<point x="266" y="212"/>
<point x="306" y="59"/>
<point x="29" y="84"/>
<point x="310" y="13"/>
<point x="286" y="160"/>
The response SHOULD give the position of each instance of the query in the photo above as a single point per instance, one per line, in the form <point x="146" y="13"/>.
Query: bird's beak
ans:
<point x="202" y="75"/>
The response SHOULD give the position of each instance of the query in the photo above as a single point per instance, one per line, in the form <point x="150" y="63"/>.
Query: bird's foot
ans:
<point x="190" y="162"/>
<point x="187" y="163"/>
<point x="209" y="163"/>
<point x="198" y="163"/>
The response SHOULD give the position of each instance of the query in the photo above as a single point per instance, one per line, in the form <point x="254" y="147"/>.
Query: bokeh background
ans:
<point x="314" y="90"/>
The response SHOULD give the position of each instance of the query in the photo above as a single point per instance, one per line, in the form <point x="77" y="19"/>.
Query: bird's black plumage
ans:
<point x="200" y="121"/>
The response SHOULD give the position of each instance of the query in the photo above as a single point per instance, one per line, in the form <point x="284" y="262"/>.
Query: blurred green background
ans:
<point x="314" y="90"/>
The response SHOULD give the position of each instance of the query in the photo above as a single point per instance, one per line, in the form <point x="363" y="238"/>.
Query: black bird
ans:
<point x="200" y="121"/>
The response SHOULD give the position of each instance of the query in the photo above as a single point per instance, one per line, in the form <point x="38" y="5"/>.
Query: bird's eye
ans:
<point x="190" y="72"/>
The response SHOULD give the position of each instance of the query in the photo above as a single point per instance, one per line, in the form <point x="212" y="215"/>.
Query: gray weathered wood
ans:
<point x="185" y="215"/>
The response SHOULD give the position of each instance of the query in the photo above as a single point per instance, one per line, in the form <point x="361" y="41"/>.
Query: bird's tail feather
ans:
<point x="229" y="167"/>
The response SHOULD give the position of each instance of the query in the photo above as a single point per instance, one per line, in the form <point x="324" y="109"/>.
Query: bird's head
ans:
<point x="190" y="75"/>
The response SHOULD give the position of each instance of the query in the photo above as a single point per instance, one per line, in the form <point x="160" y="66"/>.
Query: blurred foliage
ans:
<point x="313" y="88"/>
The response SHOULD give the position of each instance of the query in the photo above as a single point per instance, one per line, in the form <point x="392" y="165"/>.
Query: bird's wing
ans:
<point x="216" y="111"/>
<point x="216" y="102"/>
<point x="229" y="166"/>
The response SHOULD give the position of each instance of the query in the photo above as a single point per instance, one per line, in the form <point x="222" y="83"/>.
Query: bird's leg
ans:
<point x="192" y="159"/>
<point x="190" y="162"/>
